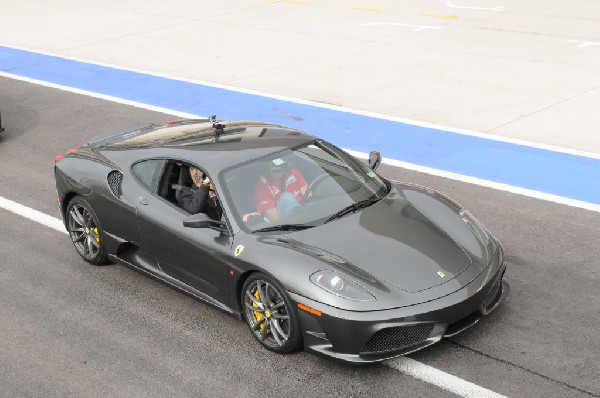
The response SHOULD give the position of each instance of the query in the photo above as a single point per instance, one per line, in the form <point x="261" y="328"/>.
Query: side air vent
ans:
<point x="114" y="179"/>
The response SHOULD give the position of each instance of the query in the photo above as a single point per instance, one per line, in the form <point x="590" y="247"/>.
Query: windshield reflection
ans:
<point x="299" y="188"/>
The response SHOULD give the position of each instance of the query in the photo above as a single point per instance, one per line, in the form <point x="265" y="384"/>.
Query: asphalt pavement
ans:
<point x="71" y="329"/>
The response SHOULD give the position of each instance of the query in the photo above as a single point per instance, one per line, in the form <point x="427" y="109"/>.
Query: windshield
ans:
<point x="300" y="188"/>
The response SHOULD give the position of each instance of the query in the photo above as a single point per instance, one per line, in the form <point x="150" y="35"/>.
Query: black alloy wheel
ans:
<point x="269" y="314"/>
<point x="85" y="232"/>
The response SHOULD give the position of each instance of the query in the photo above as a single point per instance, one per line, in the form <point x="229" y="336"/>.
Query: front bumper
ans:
<point x="365" y="337"/>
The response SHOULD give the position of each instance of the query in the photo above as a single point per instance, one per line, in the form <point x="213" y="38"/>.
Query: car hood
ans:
<point x="398" y="242"/>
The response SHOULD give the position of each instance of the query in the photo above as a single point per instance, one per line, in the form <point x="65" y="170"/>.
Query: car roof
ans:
<point x="214" y="146"/>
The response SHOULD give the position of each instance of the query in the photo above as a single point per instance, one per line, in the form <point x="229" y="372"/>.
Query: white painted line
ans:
<point x="485" y="183"/>
<point x="405" y="365"/>
<point x="100" y="96"/>
<point x="439" y="378"/>
<point x="493" y="137"/>
<point x="418" y="28"/>
<point x="498" y="8"/>
<point x="584" y="43"/>
<point x="33" y="215"/>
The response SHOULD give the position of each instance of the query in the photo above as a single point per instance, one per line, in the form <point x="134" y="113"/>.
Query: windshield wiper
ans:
<point x="354" y="207"/>
<point x="284" y="227"/>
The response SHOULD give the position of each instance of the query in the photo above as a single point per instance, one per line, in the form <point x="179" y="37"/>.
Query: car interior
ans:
<point x="241" y="184"/>
<point x="175" y="179"/>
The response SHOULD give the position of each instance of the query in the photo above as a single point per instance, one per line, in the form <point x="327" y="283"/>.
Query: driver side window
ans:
<point x="177" y="186"/>
<point x="174" y="181"/>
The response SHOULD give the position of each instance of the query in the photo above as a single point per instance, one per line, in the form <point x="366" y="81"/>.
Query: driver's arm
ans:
<point x="265" y="204"/>
<point x="303" y="189"/>
<point x="272" y="214"/>
<point x="193" y="200"/>
<point x="301" y="180"/>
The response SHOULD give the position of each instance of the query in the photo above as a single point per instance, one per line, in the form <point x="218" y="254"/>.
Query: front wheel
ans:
<point x="85" y="232"/>
<point x="270" y="315"/>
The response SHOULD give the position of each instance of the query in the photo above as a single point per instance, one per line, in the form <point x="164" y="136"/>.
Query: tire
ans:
<point x="269" y="313"/>
<point x="85" y="231"/>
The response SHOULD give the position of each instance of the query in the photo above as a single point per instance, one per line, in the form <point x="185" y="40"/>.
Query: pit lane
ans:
<point x="72" y="329"/>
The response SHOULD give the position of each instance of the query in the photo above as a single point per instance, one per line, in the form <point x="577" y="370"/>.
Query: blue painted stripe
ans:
<point x="561" y="174"/>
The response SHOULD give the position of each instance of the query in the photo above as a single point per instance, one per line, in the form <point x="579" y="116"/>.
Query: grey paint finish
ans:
<point x="419" y="227"/>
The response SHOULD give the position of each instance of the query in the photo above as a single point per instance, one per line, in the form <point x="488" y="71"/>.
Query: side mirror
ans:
<point x="374" y="160"/>
<point x="201" y="220"/>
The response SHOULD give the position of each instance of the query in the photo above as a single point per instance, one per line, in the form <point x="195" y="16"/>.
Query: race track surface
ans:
<point x="72" y="329"/>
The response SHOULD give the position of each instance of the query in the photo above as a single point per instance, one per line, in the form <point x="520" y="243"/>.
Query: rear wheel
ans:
<point x="269" y="314"/>
<point x="85" y="232"/>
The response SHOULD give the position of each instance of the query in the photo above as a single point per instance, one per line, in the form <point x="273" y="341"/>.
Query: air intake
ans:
<point x="114" y="179"/>
<point x="398" y="338"/>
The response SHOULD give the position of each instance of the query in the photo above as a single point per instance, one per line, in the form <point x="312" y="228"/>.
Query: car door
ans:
<point x="195" y="256"/>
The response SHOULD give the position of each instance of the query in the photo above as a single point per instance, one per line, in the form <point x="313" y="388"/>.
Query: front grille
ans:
<point x="397" y="338"/>
<point x="114" y="179"/>
<point x="493" y="294"/>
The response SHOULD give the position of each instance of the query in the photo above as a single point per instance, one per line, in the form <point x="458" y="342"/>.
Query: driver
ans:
<point x="201" y="198"/>
<point x="279" y="190"/>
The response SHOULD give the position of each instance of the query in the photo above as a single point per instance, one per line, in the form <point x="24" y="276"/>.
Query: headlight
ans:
<point x="340" y="286"/>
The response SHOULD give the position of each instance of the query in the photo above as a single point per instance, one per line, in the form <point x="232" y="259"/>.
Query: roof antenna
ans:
<point x="216" y="125"/>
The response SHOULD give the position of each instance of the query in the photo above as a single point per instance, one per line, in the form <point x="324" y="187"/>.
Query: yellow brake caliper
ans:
<point x="97" y="236"/>
<point x="257" y="314"/>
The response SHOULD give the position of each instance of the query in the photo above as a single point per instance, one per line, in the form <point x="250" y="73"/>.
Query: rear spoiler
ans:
<point x="119" y="134"/>
<point x="127" y="132"/>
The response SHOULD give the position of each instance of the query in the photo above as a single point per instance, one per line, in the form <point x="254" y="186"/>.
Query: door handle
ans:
<point x="143" y="201"/>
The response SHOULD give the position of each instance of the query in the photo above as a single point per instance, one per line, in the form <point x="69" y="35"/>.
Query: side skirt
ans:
<point x="174" y="283"/>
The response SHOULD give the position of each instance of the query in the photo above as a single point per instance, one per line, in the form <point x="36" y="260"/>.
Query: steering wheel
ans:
<point x="312" y="186"/>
